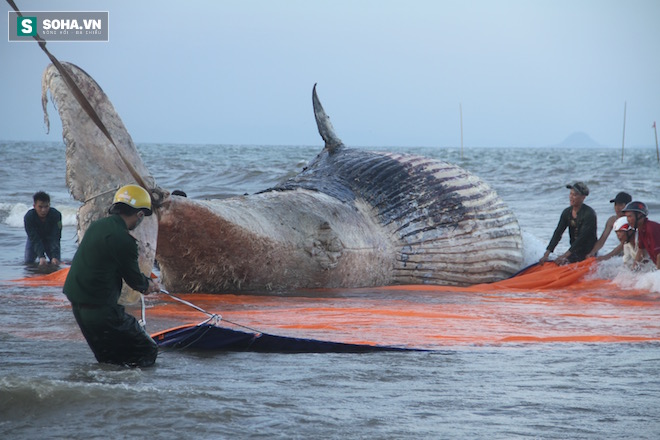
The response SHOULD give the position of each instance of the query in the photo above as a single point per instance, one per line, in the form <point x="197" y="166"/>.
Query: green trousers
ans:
<point x="114" y="336"/>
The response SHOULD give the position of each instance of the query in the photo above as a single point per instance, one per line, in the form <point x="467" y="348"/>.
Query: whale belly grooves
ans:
<point x="448" y="226"/>
<point x="469" y="239"/>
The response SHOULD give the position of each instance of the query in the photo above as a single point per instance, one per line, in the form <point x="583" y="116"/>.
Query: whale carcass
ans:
<point x="350" y="218"/>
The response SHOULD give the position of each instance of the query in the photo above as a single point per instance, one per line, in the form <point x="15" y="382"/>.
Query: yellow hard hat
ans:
<point x="134" y="196"/>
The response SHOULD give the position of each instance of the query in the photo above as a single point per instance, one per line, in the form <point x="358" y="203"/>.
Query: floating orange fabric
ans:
<point x="546" y="276"/>
<point x="545" y="304"/>
<point x="56" y="278"/>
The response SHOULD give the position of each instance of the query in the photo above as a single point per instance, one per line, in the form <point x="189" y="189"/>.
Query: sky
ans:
<point x="389" y="73"/>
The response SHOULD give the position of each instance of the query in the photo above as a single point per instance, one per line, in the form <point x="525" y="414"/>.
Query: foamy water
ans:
<point x="16" y="212"/>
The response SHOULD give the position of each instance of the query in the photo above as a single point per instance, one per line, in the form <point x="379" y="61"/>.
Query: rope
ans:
<point x="212" y="316"/>
<point x="82" y="100"/>
<point x="100" y="194"/>
<point x="192" y="339"/>
<point x="199" y="309"/>
<point x="143" y="321"/>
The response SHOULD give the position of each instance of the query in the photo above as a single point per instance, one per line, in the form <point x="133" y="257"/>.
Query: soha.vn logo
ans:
<point x="27" y="26"/>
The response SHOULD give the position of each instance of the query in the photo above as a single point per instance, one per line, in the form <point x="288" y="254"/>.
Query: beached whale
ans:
<point x="350" y="218"/>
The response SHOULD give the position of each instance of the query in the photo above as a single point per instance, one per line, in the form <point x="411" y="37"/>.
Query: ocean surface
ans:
<point x="51" y="386"/>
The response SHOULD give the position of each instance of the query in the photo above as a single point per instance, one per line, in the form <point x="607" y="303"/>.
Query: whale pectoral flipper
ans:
<point x="95" y="164"/>
<point x="325" y="247"/>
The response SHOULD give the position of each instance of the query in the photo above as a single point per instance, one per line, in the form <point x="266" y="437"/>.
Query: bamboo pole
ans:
<point x="460" y="109"/>
<point x="623" y="141"/>
<point x="657" y="151"/>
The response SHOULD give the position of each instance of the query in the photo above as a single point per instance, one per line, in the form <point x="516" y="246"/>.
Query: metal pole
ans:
<point x="623" y="141"/>
<point x="657" y="152"/>
<point x="460" y="108"/>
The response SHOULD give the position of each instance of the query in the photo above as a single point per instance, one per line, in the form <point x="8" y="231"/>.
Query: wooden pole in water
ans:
<point x="460" y="109"/>
<point x="623" y="141"/>
<point x="657" y="151"/>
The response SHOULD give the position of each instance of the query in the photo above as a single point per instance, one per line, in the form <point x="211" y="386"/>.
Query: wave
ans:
<point x="640" y="281"/>
<point x="646" y="279"/>
<point x="11" y="214"/>
<point x="533" y="249"/>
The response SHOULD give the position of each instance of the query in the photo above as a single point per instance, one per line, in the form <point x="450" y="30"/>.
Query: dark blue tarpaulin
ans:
<point x="207" y="336"/>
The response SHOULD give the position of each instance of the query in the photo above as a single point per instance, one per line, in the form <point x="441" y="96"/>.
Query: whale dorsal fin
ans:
<point x="326" y="130"/>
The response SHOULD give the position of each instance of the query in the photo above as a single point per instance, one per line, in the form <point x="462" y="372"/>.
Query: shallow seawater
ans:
<point x="543" y="391"/>
<point x="483" y="387"/>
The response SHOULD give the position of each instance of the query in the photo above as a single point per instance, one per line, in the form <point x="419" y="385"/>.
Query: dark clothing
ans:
<point x="114" y="336"/>
<point x="581" y="231"/>
<point x="106" y="255"/>
<point x="43" y="237"/>
<point x="649" y="239"/>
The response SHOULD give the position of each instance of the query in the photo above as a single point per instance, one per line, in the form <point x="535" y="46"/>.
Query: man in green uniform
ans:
<point x="106" y="255"/>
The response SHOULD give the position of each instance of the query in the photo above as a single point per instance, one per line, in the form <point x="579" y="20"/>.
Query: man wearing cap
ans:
<point x="106" y="255"/>
<point x="648" y="232"/>
<point x="620" y="202"/>
<point x="580" y="219"/>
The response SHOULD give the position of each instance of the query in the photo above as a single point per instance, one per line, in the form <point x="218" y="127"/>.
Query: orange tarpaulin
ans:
<point x="545" y="276"/>
<point x="56" y="278"/>
<point x="546" y="303"/>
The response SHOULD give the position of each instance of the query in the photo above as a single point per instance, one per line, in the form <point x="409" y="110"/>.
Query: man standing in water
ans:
<point x="43" y="226"/>
<point x="106" y="255"/>
<point x="648" y="232"/>
<point x="580" y="219"/>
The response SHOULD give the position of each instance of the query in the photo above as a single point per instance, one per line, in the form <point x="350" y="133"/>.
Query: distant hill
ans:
<point x="577" y="139"/>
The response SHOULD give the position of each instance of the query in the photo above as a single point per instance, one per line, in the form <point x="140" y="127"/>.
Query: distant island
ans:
<point x="577" y="139"/>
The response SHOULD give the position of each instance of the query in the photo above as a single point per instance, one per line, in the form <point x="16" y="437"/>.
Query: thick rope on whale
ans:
<point x="85" y="104"/>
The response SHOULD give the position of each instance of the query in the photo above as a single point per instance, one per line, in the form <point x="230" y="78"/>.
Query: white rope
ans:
<point x="212" y="316"/>
<point x="143" y="321"/>
<point x="101" y="194"/>
<point x="182" y="301"/>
